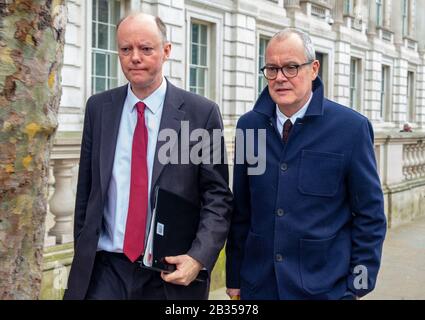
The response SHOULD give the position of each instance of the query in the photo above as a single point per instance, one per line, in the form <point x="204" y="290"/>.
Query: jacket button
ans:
<point x="279" y="257"/>
<point x="280" y="212"/>
<point x="97" y="231"/>
<point x="284" y="166"/>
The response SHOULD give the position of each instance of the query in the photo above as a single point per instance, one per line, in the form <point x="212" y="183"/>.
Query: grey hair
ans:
<point x="159" y="23"/>
<point x="310" y="53"/>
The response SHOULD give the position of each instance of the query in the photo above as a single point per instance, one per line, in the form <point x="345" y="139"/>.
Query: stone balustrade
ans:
<point x="64" y="160"/>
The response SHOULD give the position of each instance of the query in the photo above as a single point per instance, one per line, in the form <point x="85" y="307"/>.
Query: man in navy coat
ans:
<point x="312" y="225"/>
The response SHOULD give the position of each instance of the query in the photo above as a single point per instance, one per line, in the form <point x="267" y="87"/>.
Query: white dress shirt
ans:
<point x="116" y="204"/>
<point x="281" y="118"/>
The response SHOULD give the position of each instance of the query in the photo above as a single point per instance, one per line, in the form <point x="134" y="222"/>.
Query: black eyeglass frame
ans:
<point x="282" y="69"/>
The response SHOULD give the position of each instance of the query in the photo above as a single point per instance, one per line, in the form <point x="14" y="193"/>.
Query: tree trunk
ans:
<point x="31" y="53"/>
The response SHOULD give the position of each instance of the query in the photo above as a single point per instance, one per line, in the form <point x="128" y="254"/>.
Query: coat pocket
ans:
<point x="316" y="269"/>
<point x="320" y="173"/>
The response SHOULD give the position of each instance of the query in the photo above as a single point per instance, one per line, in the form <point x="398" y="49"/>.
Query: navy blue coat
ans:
<point x="315" y="219"/>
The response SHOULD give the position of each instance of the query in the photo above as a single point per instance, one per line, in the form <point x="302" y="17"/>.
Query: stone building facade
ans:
<point x="372" y="55"/>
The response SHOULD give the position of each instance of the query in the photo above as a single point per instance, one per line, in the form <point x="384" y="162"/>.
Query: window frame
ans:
<point x="411" y="96"/>
<point x="260" y="76"/>
<point x="379" y="12"/>
<point x="385" y="94"/>
<point x="90" y="49"/>
<point x="206" y="67"/>
<point x="215" y="21"/>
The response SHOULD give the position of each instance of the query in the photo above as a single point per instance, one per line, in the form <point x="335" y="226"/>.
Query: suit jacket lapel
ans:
<point x="110" y="124"/>
<point x="171" y="119"/>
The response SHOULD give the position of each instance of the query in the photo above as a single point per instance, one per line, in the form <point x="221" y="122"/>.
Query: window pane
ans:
<point x="114" y="8"/>
<point x="100" y="85"/>
<point x="261" y="84"/>
<point x="319" y="56"/>
<point x="112" y="38"/>
<point x="103" y="11"/>
<point x="94" y="10"/>
<point x="103" y="36"/>
<point x="203" y="56"/>
<point x="100" y="68"/>
<point x="204" y="34"/>
<point x="94" y="35"/>
<point x="93" y="61"/>
<point x="201" y="78"/>
<point x="113" y="65"/>
<point x="117" y="13"/>
<point x="195" y="37"/>
<point x="194" y="55"/>
<point x="192" y="77"/>
<point x="113" y="83"/>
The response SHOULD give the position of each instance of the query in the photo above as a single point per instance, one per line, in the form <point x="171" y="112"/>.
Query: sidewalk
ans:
<point x="402" y="273"/>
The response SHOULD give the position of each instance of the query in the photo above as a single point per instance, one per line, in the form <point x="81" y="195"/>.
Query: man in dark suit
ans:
<point x="120" y="168"/>
<point x="312" y="225"/>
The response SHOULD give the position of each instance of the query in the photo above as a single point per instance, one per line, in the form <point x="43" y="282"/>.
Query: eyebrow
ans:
<point x="290" y="63"/>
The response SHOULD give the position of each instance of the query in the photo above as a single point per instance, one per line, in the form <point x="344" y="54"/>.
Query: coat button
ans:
<point x="284" y="166"/>
<point x="97" y="231"/>
<point x="280" y="212"/>
<point x="279" y="257"/>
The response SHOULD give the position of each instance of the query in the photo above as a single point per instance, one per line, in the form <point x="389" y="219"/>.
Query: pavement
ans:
<point x="402" y="273"/>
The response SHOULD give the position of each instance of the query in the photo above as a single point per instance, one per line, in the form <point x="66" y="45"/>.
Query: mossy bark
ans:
<point x="31" y="54"/>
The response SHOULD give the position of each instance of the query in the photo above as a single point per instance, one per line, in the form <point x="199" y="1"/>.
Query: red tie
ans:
<point x="134" y="237"/>
<point x="287" y="126"/>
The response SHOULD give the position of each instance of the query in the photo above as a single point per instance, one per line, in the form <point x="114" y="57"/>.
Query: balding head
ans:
<point x="142" y="50"/>
<point x="147" y="18"/>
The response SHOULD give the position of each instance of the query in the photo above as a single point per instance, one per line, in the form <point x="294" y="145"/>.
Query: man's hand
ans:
<point x="234" y="294"/>
<point x="186" y="271"/>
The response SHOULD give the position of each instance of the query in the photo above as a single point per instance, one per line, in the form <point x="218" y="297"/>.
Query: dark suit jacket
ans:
<point x="305" y="228"/>
<point x="203" y="184"/>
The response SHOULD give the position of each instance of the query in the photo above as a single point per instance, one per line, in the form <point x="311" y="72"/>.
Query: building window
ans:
<point x="405" y="18"/>
<point x="106" y="14"/>
<point x="411" y="112"/>
<point x="385" y="93"/>
<point x="355" y="84"/>
<point x="323" y="70"/>
<point x="198" y="73"/>
<point x="348" y="7"/>
<point x="262" y="82"/>
<point x="379" y="12"/>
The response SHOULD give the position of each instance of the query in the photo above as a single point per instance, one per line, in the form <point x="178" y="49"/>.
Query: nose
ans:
<point x="136" y="56"/>
<point x="280" y="76"/>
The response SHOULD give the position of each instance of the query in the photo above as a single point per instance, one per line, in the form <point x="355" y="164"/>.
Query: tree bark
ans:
<point x="31" y="54"/>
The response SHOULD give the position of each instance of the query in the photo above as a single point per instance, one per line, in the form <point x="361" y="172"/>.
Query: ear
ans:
<point x="167" y="50"/>
<point x="315" y="69"/>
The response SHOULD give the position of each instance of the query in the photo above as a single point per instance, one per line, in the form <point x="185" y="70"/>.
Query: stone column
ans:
<point x="387" y="14"/>
<point x="397" y="22"/>
<point x="338" y="11"/>
<point x="372" y="18"/>
<point x="411" y="11"/>
<point x="63" y="201"/>
<point x="292" y="4"/>
<point x="64" y="157"/>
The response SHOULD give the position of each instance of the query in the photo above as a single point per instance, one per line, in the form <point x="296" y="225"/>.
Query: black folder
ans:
<point x="174" y="225"/>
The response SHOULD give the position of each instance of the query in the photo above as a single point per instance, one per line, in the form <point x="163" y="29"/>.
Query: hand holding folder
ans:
<point x="173" y="228"/>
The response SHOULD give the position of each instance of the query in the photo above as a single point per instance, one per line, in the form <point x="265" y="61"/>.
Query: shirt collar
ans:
<point x="153" y="102"/>
<point x="299" y="114"/>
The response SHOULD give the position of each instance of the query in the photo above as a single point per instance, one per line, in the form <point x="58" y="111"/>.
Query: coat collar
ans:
<point x="265" y="104"/>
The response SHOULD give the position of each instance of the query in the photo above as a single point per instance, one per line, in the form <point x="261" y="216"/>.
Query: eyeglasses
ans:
<point x="290" y="71"/>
